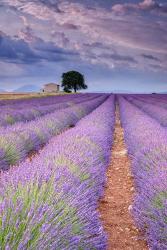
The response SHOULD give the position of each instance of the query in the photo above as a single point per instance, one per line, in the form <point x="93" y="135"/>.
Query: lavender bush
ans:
<point x="18" y="141"/>
<point x="11" y="114"/>
<point x="51" y="201"/>
<point x="147" y="144"/>
<point x="155" y="111"/>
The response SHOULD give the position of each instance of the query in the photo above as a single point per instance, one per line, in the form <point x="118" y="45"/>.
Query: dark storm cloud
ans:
<point x="49" y="47"/>
<point x="15" y="50"/>
<point x="69" y="26"/>
<point x="150" y="57"/>
<point x="18" y="51"/>
<point x="117" y="57"/>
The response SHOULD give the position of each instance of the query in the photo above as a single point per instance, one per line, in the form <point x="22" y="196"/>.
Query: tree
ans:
<point x="65" y="89"/>
<point x="73" y="80"/>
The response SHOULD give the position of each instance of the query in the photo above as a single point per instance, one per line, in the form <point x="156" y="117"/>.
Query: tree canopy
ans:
<point x="73" y="80"/>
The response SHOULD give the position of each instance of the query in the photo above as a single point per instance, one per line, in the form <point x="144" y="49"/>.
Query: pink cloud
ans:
<point x="148" y="4"/>
<point x="144" y="5"/>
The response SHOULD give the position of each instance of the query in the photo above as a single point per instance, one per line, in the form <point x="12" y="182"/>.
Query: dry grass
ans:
<point x="4" y="96"/>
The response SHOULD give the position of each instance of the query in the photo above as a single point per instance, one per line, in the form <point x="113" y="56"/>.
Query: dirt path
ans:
<point x="114" y="207"/>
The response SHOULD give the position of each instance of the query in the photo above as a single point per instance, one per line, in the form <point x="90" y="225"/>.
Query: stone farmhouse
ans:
<point x="51" y="87"/>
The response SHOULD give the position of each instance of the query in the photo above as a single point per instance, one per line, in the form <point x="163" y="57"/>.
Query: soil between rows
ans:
<point x="118" y="197"/>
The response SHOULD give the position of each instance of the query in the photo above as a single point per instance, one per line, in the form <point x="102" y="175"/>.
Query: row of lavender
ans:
<point x="154" y="109"/>
<point x="155" y="99"/>
<point x="51" y="202"/>
<point x="11" y="114"/>
<point x="162" y="103"/>
<point x="147" y="144"/>
<point x="17" y="141"/>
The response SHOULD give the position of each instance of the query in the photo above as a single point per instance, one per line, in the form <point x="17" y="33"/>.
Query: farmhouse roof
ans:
<point x="51" y="84"/>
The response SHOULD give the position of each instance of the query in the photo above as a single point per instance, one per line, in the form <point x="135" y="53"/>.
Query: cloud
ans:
<point x="69" y="26"/>
<point x="117" y="57"/>
<point x="10" y="70"/>
<point x="60" y="39"/>
<point x="19" y="51"/>
<point x="15" y="50"/>
<point x="146" y="5"/>
<point x="50" y="52"/>
<point x="150" y="57"/>
<point x="111" y="37"/>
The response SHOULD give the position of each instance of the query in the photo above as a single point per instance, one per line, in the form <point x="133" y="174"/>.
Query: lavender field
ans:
<point x="55" y="152"/>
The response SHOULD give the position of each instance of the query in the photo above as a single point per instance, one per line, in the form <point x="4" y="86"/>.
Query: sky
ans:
<point x="118" y="45"/>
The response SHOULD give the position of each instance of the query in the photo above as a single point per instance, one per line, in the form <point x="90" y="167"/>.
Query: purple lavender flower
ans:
<point x="51" y="201"/>
<point x="147" y="145"/>
<point x="20" y="139"/>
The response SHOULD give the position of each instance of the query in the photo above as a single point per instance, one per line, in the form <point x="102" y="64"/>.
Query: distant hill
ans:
<point x="27" y="88"/>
